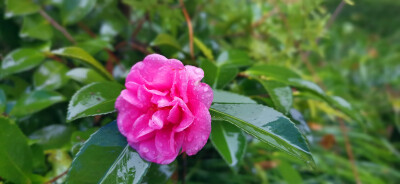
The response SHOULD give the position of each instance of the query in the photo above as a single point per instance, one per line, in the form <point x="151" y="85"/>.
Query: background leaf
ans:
<point x="78" y="53"/>
<point x="52" y="136"/>
<point x="85" y="75"/>
<point x="35" y="101"/>
<point x="72" y="11"/>
<point x="35" y="26"/>
<point x="20" y="60"/>
<point x="50" y="75"/>
<point x="21" y="7"/>
<point x="15" y="154"/>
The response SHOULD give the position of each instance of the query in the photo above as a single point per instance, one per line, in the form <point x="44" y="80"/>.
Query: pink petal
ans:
<point x="158" y="119"/>
<point x="195" y="74"/>
<point x="127" y="114"/>
<point x="197" y="134"/>
<point x="186" y="116"/>
<point x="141" y="129"/>
<point x="201" y="92"/>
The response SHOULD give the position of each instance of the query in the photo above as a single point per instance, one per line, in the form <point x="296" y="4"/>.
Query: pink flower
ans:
<point x="164" y="110"/>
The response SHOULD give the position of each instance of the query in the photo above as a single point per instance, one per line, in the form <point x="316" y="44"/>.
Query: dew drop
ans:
<point x="198" y="70"/>
<point x="205" y="89"/>
<point x="145" y="149"/>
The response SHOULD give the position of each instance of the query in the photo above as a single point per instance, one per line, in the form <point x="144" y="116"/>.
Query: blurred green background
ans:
<point x="353" y="53"/>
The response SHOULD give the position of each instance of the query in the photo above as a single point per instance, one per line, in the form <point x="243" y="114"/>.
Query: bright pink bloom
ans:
<point x="164" y="110"/>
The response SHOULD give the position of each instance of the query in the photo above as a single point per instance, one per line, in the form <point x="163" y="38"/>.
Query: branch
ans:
<point x="57" y="26"/>
<point x="190" y="28"/>
<point x="57" y="177"/>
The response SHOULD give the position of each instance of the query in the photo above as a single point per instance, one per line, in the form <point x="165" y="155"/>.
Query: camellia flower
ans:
<point x="164" y="110"/>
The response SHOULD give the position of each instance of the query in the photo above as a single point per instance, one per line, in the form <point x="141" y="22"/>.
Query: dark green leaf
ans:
<point x="15" y="154"/>
<point x="93" y="99"/>
<point x="267" y="125"/>
<point x="236" y="58"/>
<point x="159" y="173"/>
<point x="35" y="101"/>
<point x="85" y="75"/>
<point x="20" y="60"/>
<point x="166" y="39"/>
<point x="107" y="157"/>
<point x="72" y="11"/>
<point x="3" y="101"/>
<point x="272" y="72"/>
<point x="50" y="75"/>
<point x="20" y="7"/>
<point x="280" y="94"/>
<point x="228" y="97"/>
<point x="52" y="136"/>
<point x="229" y="141"/>
<point x="93" y="46"/>
<point x="78" y="53"/>
<point x="218" y="76"/>
<point x="35" y="26"/>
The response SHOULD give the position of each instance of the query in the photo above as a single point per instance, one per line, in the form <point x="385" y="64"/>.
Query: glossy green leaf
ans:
<point x="159" y="173"/>
<point x="78" y="53"/>
<point x="72" y="11"/>
<point x="52" y="136"/>
<point x="3" y="101"/>
<point x="228" y="97"/>
<point x="93" y="99"/>
<point x="281" y="95"/>
<point x="85" y="75"/>
<point x="35" y="101"/>
<point x="229" y="141"/>
<point x="204" y="49"/>
<point x="166" y="39"/>
<point x="20" y="60"/>
<point x="267" y="125"/>
<point x="127" y="168"/>
<point x="50" y="75"/>
<point x="274" y="72"/>
<point x="20" y="7"/>
<point x="218" y="76"/>
<point x="236" y="58"/>
<point x="35" y="26"/>
<point x="15" y="154"/>
<point x="93" y="46"/>
<point x="106" y="157"/>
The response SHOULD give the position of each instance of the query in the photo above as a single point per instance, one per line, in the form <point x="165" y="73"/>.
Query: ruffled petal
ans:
<point x="127" y="115"/>
<point x="158" y="119"/>
<point x="197" y="134"/>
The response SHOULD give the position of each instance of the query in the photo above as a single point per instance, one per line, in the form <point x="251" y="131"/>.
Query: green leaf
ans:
<point x="218" y="76"/>
<point x="289" y="174"/>
<point x="35" y="101"/>
<point x="3" y="101"/>
<point x="204" y="49"/>
<point x="159" y="173"/>
<point x="267" y="125"/>
<point x="50" y="75"/>
<point x="72" y="11"/>
<point x="52" y="136"/>
<point x="20" y="7"/>
<point x="280" y="93"/>
<point x="35" y="26"/>
<point x="166" y="39"/>
<point x="229" y="141"/>
<point x="20" y="60"/>
<point x="95" y="45"/>
<point x="274" y="72"/>
<point x="78" y="53"/>
<point x="106" y="157"/>
<point x="15" y="154"/>
<point x="228" y="97"/>
<point x="236" y="58"/>
<point x="85" y="75"/>
<point x="93" y="99"/>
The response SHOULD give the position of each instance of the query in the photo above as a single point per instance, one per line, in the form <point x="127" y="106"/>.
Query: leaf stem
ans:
<point x="57" y="177"/>
<point x="57" y="26"/>
<point x="190" y="28"/>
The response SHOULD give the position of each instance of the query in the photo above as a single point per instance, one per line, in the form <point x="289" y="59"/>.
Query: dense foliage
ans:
<point x="304" y="90"/>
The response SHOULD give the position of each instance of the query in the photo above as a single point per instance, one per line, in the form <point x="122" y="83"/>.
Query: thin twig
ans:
<point x="139" y="26"/>
<point x="57" y="177"/>
<point x="349" y="150"/>
<point x="190" y="28"/>
<point x="264" y="17"/>
<point x="57" y="26"/>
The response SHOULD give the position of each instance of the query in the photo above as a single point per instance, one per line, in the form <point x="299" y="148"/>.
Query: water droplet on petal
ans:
<point x="205" y="89"/>
<point x="198" y="70"/>
<point x="145" y="149"/>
